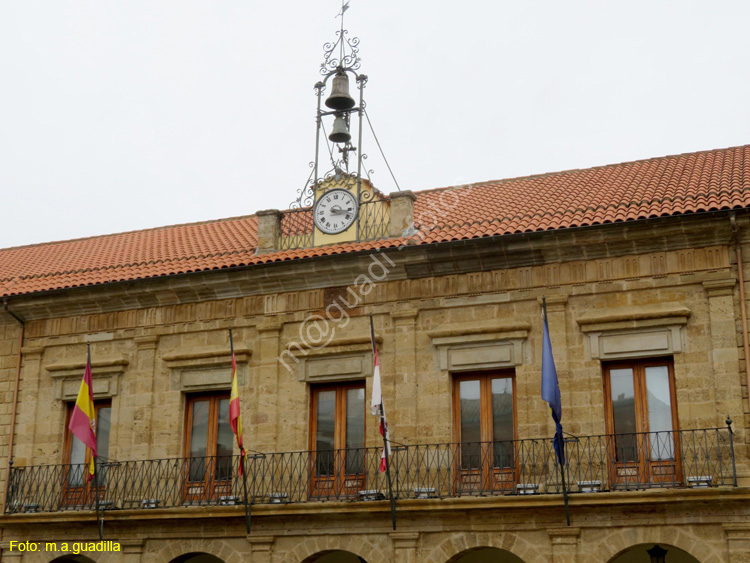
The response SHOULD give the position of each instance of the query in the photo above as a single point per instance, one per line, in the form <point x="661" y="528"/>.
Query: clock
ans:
<point x="335" y="211"/>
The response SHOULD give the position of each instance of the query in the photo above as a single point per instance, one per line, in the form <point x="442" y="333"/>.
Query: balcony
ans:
<point x="594" y="464"/>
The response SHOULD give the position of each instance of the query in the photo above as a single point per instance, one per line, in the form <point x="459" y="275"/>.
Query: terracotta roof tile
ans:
<point x="672" y="185"/>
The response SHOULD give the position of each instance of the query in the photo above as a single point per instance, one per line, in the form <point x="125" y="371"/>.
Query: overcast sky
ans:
<point x="118" y="115"/>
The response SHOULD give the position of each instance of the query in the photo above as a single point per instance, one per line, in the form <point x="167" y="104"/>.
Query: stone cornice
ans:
<point x="521" y="250"/>
<point x="703" y="497"/>
<point x="675" y="312"/>
<point x="511" y="329"/>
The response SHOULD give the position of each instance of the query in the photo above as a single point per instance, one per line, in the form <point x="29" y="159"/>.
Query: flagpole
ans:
<point x="559" y="438"/>
<point x="385" y="440"/>
<point x="99" y="518"/>
<point x="243" y="471"/>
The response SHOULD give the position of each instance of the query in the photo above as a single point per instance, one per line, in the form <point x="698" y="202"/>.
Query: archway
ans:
<point x="337" y="556"/>
<point x="485" y="555"/>
<point x="196" y="557"/>
<point x="72" y="559"/>
<point x="639" y="554"/>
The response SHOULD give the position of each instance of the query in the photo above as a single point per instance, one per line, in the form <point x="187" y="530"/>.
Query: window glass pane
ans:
<point x="471" y="430"/>
<point x="502" y="421"/>
<point x="103" y="424"/>
<point x="355" y="430"/>
<point x="224" y="438"/>
<point x="623" y="413"/>
<point x="659" y="412"/>
<point x="198" y="440"/>
<point x="325" y="423"/>
<point x="77" y="459"/>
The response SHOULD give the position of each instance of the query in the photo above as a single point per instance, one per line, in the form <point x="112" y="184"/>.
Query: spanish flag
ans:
<point x="83" y="421"/>
<point x="235" y="422"/>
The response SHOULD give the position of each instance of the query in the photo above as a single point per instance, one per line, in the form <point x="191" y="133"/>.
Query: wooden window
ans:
<point x="78" y="489"/>
<point x="338" y="438"/>
<point x="642" y="421"/>
<point x="208" y="445"/>
<point x="485" y="430"/>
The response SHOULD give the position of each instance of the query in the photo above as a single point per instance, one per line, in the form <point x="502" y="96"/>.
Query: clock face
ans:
<point x="335" y="211"/>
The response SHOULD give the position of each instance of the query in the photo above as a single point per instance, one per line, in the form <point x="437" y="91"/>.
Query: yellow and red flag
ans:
<point x="83" y="421"/>
<point x="235" y="421"/>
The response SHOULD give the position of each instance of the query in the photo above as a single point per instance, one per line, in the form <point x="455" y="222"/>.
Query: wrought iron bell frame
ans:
<point x="320" y="88"/>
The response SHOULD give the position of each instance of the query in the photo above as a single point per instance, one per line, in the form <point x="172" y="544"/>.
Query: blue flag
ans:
<point x="551" y="388"/>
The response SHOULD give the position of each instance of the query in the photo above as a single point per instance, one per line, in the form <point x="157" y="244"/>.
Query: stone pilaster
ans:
<point x="564" y="542"/>
<point x="402" y="364"/>
<point x="267" y="424"/>
<point x="8" y="556"/>
<point x="29" y="417"/>
<point x="139" y="443"/>
<point x="261" y="548"/>
<point x="404" y="546"/>
<point x="131" y="551"/>
<point x="724" y="396"/>
<point x="738" y="542"/>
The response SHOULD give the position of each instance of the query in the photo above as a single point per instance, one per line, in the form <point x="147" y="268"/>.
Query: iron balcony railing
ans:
<point x="688" y="458"/>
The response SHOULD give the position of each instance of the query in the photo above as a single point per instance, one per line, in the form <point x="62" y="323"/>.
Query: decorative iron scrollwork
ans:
<point x="348" y="60"/>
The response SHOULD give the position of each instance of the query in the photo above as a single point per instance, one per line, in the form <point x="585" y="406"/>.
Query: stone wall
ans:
<point x="154" y="343"/>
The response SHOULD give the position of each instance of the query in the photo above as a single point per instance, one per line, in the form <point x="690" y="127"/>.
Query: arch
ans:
<point x="638" y="554"/>
<point x="533" y="547"/>
<point x="311" y="549"/>
<point x="197" y="557"/>
<point x="485" y="555"/>
<point x="172" y="550"/>
<point x="694" y="540"/>
<point x="72" y="558"/>
<point x="335" y="556"/>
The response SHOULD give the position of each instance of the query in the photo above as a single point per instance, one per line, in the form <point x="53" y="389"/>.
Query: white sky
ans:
<point x="118" y="115"/>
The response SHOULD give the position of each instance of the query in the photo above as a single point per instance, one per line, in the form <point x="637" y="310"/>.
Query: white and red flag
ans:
<point x="376" y="406"/>
<point x="235" y="420"/>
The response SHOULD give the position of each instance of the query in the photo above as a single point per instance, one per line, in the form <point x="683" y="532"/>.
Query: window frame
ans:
<point x="340" y="483"/>
<point x="485" y="477"/>
<point x="643" y="470"/>
<point x="210" y="487"/>
<point x="84" y="493"/>
<point x="68" y="439"/>
<point x="639" y="389"/>
<point x="485" y="398"/>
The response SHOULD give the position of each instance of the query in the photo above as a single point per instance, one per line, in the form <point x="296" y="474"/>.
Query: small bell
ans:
<point x="340" y="132"/>
<point x="340" y="98"/>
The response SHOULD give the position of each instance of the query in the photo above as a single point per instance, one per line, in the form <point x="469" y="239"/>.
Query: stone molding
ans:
<point x="635" y="332"/>
<point x="105" y="377"/>
<point x="471" y="346"/>
<point x="339" y="360"/>
<point x="206" y="368"/>
<point x="555" y="303"/>
<point x="146" y="342"/>
<point x="720" y="287"/>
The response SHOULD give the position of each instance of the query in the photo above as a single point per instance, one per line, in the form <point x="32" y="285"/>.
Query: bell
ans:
<point x="340" y="98"/>
<point x="340" y="132"/>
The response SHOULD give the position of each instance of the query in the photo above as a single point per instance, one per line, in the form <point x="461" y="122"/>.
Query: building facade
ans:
<point x="641" y="266"/>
